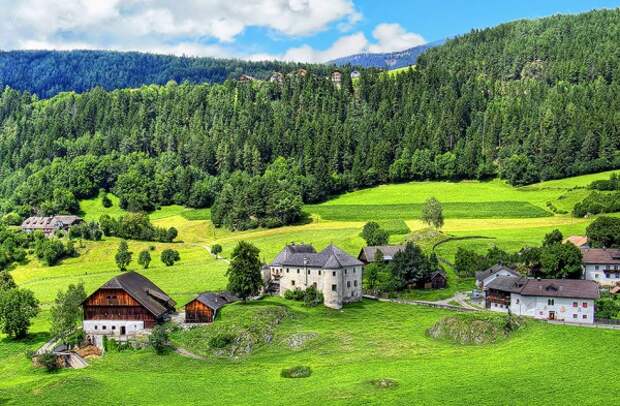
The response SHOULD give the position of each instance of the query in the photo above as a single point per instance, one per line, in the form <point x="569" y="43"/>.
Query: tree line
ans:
<point x="526" y="101"/>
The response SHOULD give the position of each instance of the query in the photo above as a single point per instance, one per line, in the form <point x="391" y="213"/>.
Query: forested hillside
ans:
<point x="47" y="73"/>
<point x="527" y="100"/>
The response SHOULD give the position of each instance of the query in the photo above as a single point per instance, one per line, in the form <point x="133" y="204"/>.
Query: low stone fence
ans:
<point x="421" y="303"/>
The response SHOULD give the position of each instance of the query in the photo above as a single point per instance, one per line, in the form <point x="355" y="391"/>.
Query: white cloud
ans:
<point x="148" y="24"/>
<point x="388" y="38"/>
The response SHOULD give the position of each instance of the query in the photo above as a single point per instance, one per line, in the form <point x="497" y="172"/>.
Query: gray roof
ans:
<point x="143" y="291"/>
<point x="368" y="253"/>
<point x="216" y="301"/>
<point x="568" y="288"/>
<point x="50" y="221"/>
<point x="482" y="275"/>
<point x="603" y="256"/>
<point x="331" y="257"/>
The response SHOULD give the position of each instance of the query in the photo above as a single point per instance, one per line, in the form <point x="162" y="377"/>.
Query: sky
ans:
<point x="292" y="30"/>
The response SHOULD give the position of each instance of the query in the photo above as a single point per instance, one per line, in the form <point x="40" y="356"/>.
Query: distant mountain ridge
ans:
<point x="388" y="60"/>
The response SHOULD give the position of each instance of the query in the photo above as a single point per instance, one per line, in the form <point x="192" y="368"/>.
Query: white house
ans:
<point x="332" y="271"/>
<point x="549" y="299"/>
<point x="483" y="278"/>
<point x="601" y="265"/>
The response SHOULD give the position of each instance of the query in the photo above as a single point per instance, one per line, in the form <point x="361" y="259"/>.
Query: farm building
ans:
<point x="355" y="74"/>
<point x="601" y="265"/>
<point x="49" y="225"/>
<point x="485" y="277"/>
<point x="549" y="299"/>
<point x="332" y="271"/>
<point x="367" y="254"/>
<point x="126" y="305"/>
<point x="336" y="77"/>
<point x="578" y="241"/>
<point x="203" y="309"/>
<point x="277" y="77"/>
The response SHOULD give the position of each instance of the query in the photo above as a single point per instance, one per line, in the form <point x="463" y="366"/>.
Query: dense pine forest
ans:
<point x="47" y="73"/>
<point x="527" y="101"/>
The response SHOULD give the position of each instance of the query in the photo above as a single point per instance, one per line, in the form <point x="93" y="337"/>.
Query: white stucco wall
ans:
<point x="566" y="309"/>
<point x="348" y="283"/>
<point x="112" y="327"/>
<point x="597" y="273"/>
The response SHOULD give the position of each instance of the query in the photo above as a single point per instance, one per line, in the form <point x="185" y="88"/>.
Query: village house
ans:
<point x="485" y="277"/>
<point x="126" y="305"/>
<point x="49" y="225"/>
<point x="578" y="241"/>
<point x="367" y="254"/>
<point x="355" y="74"/>
<point x="203" y="309"/>
<point x="601" y="265"/>
<point x="565" y="300"/>
<point x="246" y="78"/>
<point x="332" y="271"/>
<point x="277" y="77"/>
<point x="336" y="77"/>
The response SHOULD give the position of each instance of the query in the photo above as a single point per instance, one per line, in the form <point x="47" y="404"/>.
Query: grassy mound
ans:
<point x="296" y="372"/>
<point x="475" y="328"/>
<point x="240" y="331"/>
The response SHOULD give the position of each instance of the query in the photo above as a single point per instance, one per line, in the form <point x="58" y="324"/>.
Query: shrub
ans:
<point x="312" y="297"/>
<point x="169" y="256"/>
<point x="49" y="361"/>
<point x="294" y="294"/>
<point x="296" y="372"/>
<point x="221" y="340"/>
<point x="158" y="340"/>
<point x="384" y="383"/>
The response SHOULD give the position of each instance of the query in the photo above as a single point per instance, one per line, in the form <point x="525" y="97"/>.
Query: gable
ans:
<point x="111" y="297"/>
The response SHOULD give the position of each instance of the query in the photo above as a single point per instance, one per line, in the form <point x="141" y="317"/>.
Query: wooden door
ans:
<point x="551" y="315"/>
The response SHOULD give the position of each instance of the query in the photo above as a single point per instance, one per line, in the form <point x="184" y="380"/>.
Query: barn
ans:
<point x="203" y="309"/>
<point x="125" y="305"/>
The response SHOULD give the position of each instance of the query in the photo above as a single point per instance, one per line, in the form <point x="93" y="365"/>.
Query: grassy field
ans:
<point x="365" y="341"/>
<point x="350" y="348"/>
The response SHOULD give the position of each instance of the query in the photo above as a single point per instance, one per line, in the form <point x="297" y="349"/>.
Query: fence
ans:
<point x="608" y="321"/>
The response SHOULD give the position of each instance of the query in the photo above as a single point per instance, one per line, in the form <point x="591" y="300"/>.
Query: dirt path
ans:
<point x="184" y="353"/>
<point x="208" y="248"/>
<point x="460" y="298"/>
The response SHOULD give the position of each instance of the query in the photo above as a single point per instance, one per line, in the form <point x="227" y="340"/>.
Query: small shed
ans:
<point x="203" y="309"/>
<point x="438" y="280"/>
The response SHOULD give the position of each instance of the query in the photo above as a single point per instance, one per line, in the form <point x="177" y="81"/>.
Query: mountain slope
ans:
<point x="527" y="100"/>
<point x="389" y="60"/>
<point x="47" y="73"/>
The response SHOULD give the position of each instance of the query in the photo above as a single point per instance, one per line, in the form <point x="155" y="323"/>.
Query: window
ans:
<point x="334" y="288"/>
<point x="585" y="305"/>
<point x="319" y="272"/>
<point x="292" y="283"/>
<point x="354" y="269"/>
<point x="95" y="327"/>
<point x="596" y="267"/>
<point x="308" y="272"/>
<point x="575" y="304"/>
<point x="345" y="271"/>
<point x="355" y="283"/>
<point x="550" y="302"/>
<point x="297" y="270"/>
<point x="103" y="327"/>
<point x="517" y="301"/>
<point x="334" y="273"/>
<point x="574" y="316"/>
<point x="348" y="284"/>
<point x="585" y="316"/>
<point x="113" y="327"/>
<point x="314" y="284"/>
<point x="287" y="270"/>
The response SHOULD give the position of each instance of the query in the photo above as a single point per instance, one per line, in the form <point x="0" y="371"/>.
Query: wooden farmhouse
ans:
<point x="203" y="309"/>
<point x="126" y="305"/>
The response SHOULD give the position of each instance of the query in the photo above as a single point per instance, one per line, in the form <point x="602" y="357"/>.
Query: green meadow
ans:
<point x="365" y="341"/>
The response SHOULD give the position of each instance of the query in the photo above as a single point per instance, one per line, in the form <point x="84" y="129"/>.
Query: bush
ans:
<point x="294" y="294"/>
<point x="158" y="340"/>
<point x="49" y="361"/>
<point x="221" y="340"/>
<point x="296" y="372"/>
<point x="312" y="297"/>
<point x="169" y="257"/>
